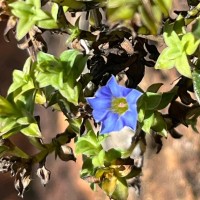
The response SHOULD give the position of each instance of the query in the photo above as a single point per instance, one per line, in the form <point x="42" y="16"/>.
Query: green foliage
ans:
<point x="150" y="12"/>
<point x="61" y="73"/>
<point x="30" y="13"/>
<point x="177" y="52"/>
<point x="121" y="39"/>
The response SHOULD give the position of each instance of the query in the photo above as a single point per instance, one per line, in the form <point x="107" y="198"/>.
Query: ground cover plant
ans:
<point x="96" y="83"/>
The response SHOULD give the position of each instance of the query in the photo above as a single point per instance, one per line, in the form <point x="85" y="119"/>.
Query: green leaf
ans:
<point x="23" y="121"/>
<point x="148" y="20"/>
<point x="9" y="127"/>
<point x="123" y="13"/>
<point x="18" y="81"/>
<point x="109" y="185"/>
<point x="36" y="3"/>
<point x="73" y="4"/>
<point x="20" y="8"/>
<point x="74" y="62"/>
<point x="47" y="24"/>
<point x="98" y="160"/>
<point x="22" y="83"/>
<point x="141" y="114"/>
<point x="54" y="11"/>
<point x="183" y="66"/>
<point x="189" y="44"/>
<point x="24" y="26"/>
<point x="175" y="55"/>
<point x="27" y="65"/>
<point x="88" y="144"/>
<point x="152" y="100"/>
<point x="71" y="93"/>
<point x="166" y="98"/>
<point x="159" y="124"/>
<point x="171" y="39"/>
<point x="6" y="108"/>
<point x="24" y="100"/>
<point x="61" y="74"/>
<point x="121" y="190"/>
<point x="32" y="130"/>
<point x="40" y="15"/>
<point x="163" y="61"/>
<point x="196" y="29"/>
<point x="45" y="58"/>
<point x="3" y="149"/>
<point x="74" y="124"/>
<point x="112" y="154"/>
<point x="196" y="83"/>
<point x="165" y="6"/>
<point x="7" y="124"/>
<point x="87" y="168"/>
<point x="154" y="87"/>
<point x="148" y="121"/>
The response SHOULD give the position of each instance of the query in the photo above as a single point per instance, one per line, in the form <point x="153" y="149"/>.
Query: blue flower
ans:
<point x="115" y="106"/>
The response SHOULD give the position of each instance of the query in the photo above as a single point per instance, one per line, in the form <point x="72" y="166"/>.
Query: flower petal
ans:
<point x="99" y="115"/>
<point x="119" y="124"/>
<point x="103" y="92"/>
<point x="114" y="87"/>
<point x="132" y="98"/>
<point x="125" y="91"/>
<point x="130" y="119"/>
<point x="109" y="123"/>
<point x="99" y="103"/>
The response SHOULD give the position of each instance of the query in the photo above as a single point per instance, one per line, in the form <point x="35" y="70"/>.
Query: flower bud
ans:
<point x="44" y="174"/>
<point x="65" y="153"/>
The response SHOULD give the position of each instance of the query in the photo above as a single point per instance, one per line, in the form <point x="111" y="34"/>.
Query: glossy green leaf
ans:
<point x="166" y="98"/>
<point x="154" y="87"/>
<point x="152" y="100"/>
<point x="7" y="124"/>
<point x="32" y="130"/>
<point x="23" y="121"/>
